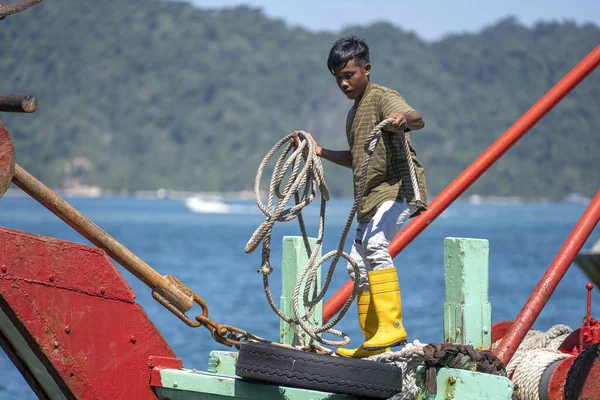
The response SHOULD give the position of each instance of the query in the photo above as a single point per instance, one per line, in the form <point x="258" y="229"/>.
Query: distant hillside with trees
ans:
<point x="147" y="94"/>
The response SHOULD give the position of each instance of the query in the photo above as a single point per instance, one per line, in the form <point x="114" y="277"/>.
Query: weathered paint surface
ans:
<point x="78" y="317"/>
<point x="467" y="385"/>
<point x="222" y="362"/>
<point x="554" y="388"/>
<point x="182" y="384"/>
<point x="7" y="159"/>
<point x="16" y="7"/>
<point x="467" y="311"/>
<point x="29" y="364"/>
<point x="294" y="260"/>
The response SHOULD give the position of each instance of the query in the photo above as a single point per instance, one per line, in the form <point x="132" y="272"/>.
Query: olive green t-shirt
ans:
<point x="388" y="174"/>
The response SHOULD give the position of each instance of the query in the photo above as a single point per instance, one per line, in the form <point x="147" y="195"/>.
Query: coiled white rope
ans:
<point x="306" y="181"/>
<point x="408" y="359"/>
<point x="528" y="373"/>
<point x="536" y="353"/>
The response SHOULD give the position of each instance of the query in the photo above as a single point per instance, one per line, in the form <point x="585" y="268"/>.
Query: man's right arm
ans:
<point x="339" y="157"/>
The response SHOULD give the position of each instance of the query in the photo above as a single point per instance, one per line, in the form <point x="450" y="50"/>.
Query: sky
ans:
<point x="430" y="20"/>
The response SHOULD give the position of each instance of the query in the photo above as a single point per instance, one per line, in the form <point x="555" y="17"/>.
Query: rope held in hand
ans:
<point x="302" y="184"/>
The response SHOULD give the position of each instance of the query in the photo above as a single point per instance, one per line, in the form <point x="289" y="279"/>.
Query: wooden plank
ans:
<point x="467" y="311"/>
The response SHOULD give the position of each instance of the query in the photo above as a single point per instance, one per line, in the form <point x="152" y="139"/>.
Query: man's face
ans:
<point x="352" y="79"/>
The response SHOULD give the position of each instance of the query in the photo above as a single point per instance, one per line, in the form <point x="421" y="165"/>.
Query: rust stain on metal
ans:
<point x="7" y="159"/>
<point x="155" y="362"/>
<point x="450" y="386"/>
<point x="556" y="384"/>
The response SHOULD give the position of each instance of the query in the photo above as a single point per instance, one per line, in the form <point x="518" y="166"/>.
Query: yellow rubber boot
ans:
<point x="385" y="297"/>
<point x="367" y="319"/>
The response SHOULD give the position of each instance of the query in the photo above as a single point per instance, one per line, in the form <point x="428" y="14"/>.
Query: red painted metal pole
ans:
<point x="544" y="289"/>
<point x="479" y="166"/>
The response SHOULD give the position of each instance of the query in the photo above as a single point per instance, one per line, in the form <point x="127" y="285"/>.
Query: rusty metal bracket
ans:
<point x="221" y="333"/>
<point x="178" y="312"/>
<point x="18" y="103"/>
<point x="7" y="159"/>
<point x="13" y="8"/>
<point x="227" y="334"/>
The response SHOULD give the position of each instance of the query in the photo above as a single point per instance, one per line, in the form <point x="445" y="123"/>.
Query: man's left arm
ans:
<point x="392" y="105"/>
<point x="410" y="120"/>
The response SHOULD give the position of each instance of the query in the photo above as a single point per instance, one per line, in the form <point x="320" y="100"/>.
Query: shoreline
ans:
<point x="171" y="194"/>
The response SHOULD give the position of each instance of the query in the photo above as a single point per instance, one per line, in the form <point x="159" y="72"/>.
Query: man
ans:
<point x="389" y="198"/>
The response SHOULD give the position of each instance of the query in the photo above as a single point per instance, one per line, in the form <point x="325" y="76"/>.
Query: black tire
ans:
<point x="289" y="367"/>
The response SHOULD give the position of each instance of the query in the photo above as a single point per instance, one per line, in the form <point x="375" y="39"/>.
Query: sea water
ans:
<point x="206" y="252"/>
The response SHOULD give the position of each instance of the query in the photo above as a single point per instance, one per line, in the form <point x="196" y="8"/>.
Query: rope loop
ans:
<point x="265" y="269"/>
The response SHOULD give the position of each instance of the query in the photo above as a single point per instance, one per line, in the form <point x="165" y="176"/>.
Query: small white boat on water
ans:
<point x="207" y="205"/>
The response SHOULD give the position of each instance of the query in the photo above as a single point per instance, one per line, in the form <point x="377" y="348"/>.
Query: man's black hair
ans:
<point x="346" y="49"/>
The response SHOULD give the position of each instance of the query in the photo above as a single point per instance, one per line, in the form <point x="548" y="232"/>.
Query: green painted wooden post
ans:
<point x="294" y="260"/>
<point x="467" y="311"/>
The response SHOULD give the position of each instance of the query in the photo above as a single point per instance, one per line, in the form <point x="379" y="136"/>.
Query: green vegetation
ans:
<point x="144" y="94"/>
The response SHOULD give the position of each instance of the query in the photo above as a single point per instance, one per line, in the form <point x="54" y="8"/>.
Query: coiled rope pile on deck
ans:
<point x="302" y="185"/>
<point x="537" y="351"/>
